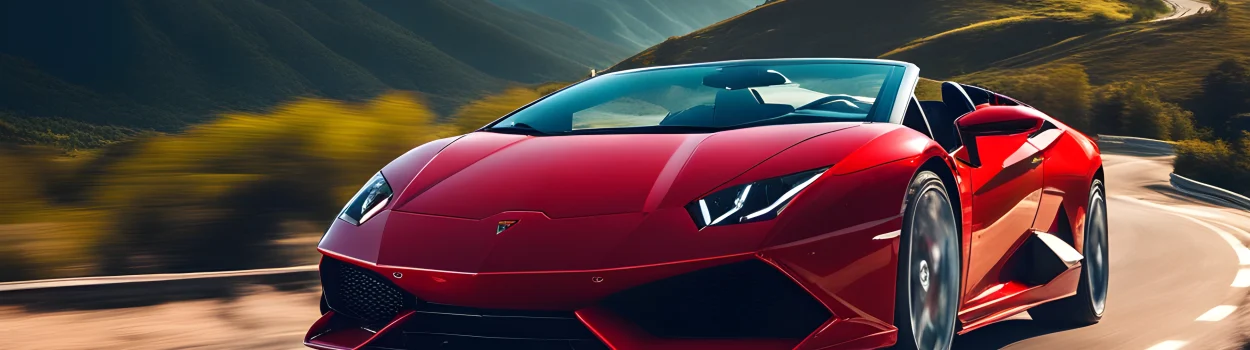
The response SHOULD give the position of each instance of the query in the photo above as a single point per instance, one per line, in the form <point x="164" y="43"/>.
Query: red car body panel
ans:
<point x="596" y="215"/>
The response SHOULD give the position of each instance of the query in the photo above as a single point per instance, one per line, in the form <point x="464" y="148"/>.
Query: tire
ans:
<point x="928" y="284"/>
<point x="1089" y="303"/>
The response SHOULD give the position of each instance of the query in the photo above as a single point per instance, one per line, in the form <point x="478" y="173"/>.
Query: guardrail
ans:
<point x="1205" y="191"/>
<point x="1138" y="143"/>
<point x="136" y="290"/>
<point x="1180" y="183"/>
<point x="1134" y="138"/>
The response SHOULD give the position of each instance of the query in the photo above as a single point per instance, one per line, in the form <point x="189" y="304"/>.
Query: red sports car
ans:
<point x="759" y="204"/>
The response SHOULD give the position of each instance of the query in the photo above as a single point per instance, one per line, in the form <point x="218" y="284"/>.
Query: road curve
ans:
<point x="1175" y="263"/>
<point x="1184" y="8"/>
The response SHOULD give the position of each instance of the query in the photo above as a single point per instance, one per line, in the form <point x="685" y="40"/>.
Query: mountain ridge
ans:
<point x="151" y="64"/>
<point x="635" y="24"/>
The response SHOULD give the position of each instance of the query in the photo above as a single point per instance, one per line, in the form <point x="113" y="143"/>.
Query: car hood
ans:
<point x="485" y="173"/>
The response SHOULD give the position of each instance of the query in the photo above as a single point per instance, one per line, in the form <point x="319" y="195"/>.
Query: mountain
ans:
<point x="155" y="64"/>
<point x="636" y="24"/>
<point x="514" y="45"/>
<point x="944" y="37"/>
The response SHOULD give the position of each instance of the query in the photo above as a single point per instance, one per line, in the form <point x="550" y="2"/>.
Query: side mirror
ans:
<point x="995" y="121"/>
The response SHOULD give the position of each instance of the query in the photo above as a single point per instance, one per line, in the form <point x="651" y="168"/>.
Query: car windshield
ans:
<point x="706" y="98"/>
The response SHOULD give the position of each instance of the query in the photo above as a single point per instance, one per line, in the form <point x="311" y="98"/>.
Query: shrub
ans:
<point x="213" y="197"/>
<point x="1062" y="92"/>
<point x="487" y="109"/>
<point x="1217" y="162"/>
<point x="1182" y="124"/>
<point x="1219" y="8"/>
<point x="1135" y="109"/>
<point x="1147" y="9"/>
<point x="14" y="266"/>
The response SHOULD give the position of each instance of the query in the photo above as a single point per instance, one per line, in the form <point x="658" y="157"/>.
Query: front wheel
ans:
<point x="1086" y="307"/>
<point x="927" y="296"/>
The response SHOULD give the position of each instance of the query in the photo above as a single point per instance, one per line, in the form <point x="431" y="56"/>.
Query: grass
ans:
<point x="1009" y="37"/>
<point x="929" y="90"/>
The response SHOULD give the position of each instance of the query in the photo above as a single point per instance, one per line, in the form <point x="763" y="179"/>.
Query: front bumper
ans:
<point x="735" y="302"/>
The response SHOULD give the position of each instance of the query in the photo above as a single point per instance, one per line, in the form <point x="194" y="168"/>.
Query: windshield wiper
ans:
<point x="653" y="129"/>
<point x="792" y="118"/>
<point x="517" y="128"/>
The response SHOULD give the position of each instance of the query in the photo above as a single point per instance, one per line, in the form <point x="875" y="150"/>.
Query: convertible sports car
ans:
<point x="759" y="204"/>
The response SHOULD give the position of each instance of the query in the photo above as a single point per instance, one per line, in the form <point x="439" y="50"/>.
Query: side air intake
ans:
<point x="1047" y="256"/>
<point x="361" y="294"/>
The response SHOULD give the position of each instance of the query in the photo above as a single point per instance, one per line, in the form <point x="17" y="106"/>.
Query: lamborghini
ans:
<point x="755" y="204"/>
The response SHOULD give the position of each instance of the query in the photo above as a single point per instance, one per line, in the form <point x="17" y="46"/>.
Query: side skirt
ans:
<point x="1047" y="269"/>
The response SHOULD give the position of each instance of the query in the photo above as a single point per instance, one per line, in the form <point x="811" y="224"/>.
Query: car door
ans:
<point x="1052" y="197"/>
<point x="1005" y="173"/>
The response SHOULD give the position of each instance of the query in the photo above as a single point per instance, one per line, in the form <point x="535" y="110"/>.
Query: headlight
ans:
<point x="756" y="201"/>
<point x="368" y="202"/>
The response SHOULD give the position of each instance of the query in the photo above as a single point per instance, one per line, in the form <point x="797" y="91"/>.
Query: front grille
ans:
<point x="360" y="294"/>
<point x="743" y="300"/>
<point x="437" y="326"/>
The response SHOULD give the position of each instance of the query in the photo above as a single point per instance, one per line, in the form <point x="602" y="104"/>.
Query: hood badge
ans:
<point x="504" y="225"/>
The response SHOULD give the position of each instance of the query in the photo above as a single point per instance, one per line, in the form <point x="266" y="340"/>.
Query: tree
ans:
<point x="1225" y="94"/>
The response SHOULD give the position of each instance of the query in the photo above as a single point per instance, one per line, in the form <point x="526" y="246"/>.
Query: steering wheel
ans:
<point x="848" y="104"/>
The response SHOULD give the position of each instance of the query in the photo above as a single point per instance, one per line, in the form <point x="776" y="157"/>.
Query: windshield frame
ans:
<point x="895" y="91"/>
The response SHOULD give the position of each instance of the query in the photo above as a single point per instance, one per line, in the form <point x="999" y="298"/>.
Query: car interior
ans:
<point x="738" y="101"/>
<point x="937" y="118"/>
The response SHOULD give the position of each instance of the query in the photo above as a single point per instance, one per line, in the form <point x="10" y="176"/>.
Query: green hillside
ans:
<point x="513" y="45"/>
<point x="944" y="38"/>
<point x="1174" y="55"/>
<point x="636" y="24"/>
<point x="154" y="64"/>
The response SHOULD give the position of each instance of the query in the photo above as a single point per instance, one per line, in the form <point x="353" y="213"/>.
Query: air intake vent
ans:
<point x="742" y="300"/>
<point x="360" y="294"/>
<point x="447" y="327"/>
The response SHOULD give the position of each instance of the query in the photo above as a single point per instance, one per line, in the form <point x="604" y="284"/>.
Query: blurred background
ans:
<point x="152" y="137"/>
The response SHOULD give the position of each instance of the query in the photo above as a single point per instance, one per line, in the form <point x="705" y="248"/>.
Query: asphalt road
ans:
<point x="1174" y="285"/>
<point x="1175" y="264"/>
<point x="1183" y="8"/>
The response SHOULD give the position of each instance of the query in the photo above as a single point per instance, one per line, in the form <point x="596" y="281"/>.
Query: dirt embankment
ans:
<point x="261" y="319"/>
